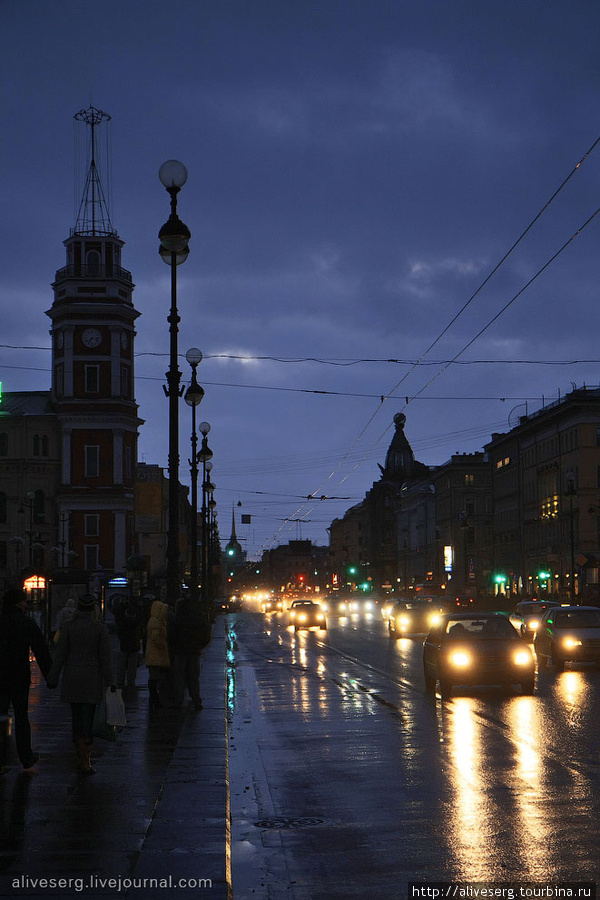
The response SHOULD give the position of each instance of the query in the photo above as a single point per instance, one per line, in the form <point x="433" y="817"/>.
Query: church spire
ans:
<point x="233" y="548"/>
<point x="93" y="217"/>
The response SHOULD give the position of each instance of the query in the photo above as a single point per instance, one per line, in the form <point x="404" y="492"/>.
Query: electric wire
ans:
<point x="467" y="304"/>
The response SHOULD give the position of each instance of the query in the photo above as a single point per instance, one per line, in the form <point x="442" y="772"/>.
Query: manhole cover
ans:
<point x="289" y="822"/>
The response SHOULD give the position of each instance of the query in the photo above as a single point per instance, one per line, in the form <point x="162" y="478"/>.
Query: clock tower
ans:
<point x="93" y="382"/>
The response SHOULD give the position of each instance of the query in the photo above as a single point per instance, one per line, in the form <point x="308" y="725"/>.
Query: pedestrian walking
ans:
<point x="130" y="620"/>
<point x="158" y="658"/>
<point x="191" y="632"/>
<point x="18" y="635"/>
<point x="83" y="656"/>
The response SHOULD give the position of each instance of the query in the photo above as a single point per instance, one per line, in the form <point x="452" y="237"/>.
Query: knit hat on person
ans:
<point x="86" y="603"/>
<point x="12" y="598"/>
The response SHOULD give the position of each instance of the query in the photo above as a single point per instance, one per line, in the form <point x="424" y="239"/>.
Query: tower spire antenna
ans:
<point x="93" y="217"/>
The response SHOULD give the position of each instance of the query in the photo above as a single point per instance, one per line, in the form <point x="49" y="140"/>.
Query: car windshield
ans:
<point x="577" y="618"/>
<point x="299" y="604"/>
<point x="484" y="627"/>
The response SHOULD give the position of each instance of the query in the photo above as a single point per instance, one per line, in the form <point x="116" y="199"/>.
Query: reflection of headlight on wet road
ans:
<point x="570" y="643"/>
<point x="460" y="659"/>
<point x="522" y="658"/>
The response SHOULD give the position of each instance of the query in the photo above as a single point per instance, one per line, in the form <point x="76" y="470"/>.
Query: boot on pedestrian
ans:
<point x="84" y="756"/>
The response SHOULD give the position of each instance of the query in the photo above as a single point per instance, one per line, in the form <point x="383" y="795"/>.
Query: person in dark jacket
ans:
<point x="18" y="635"/>
<point x="191" y="632"/>
<point x="130" y="621"/>
<point x="83" y="655"/>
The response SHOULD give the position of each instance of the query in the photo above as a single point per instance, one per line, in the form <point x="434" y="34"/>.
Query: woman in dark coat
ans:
<point x="84" y="656"/>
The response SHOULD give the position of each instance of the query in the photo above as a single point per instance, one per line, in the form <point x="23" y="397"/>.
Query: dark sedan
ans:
<point x="569" y="633"/>
<point x="416" y="616"/>
<point x="305" y="614"/>
<point x="476" y="649"/>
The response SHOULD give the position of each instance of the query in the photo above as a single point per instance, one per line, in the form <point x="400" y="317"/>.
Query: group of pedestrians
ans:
<point x="174" y="642"/>
<point x="172" y="639"/>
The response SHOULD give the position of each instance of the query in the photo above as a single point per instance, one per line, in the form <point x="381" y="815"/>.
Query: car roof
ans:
<point x="574" y="607"/>
<point x="474" y="614"/>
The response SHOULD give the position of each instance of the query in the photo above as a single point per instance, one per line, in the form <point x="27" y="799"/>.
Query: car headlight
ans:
<point x="342" y="606"/>
<point x="302" y="617"/>
<point x="533" y="624"/>
<point x="292" y="615"/>
<point x="435" y="619"/>
<point x="460" y="659"/>
<point x="522" y="658"/>
<point x="571" y="642"/>
<point x="320" y="616"/>
<point x="404" y="620"/>
<point x="368" y="605"/>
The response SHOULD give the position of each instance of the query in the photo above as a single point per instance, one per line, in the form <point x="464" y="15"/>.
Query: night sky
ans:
<point x="356" y="171"/>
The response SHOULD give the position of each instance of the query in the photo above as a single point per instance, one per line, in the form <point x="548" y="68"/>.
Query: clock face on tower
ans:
<point x="91" y="337"/>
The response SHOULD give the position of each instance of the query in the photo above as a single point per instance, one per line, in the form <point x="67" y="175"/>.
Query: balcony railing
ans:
<point x="99" y="273"/>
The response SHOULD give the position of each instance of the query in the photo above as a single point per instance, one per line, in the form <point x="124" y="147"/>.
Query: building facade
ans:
<point x="520" y="519"/>
<point x="546" y="486"/>
<point x="68" y="455"/>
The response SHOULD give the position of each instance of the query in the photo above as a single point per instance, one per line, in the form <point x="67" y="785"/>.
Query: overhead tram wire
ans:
<point x="489" y="324"/>
<point x="510" y="302"/>
<point x="516" y="243"/>
<point x="498" y="265"/>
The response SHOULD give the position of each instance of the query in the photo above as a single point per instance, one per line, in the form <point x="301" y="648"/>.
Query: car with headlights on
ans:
<point x="415" y="616"/>
<point x="568" y="634"/>
<point x="528" y="614"/>
<point x="468" y="648"/>
<point x="272" y="605"/>
<point x="305" y="614"/>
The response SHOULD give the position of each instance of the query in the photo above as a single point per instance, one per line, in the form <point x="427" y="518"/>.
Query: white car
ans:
<point x="528" y="615"/>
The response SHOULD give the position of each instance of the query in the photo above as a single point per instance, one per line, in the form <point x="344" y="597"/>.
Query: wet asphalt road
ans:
<point x="347" y="780"/>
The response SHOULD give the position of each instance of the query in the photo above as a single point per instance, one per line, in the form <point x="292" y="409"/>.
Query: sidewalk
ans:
<point x="158" y="807"/>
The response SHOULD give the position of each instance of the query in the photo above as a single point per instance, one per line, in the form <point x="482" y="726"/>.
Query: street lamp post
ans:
<point x="570" y="493"/>
<point x="193" y="397"/>
<point x="204" y="456"/>
<point x="174" y="238"/>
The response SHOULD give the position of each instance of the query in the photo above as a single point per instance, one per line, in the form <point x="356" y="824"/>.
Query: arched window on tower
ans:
<point x="92" y="262"/>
